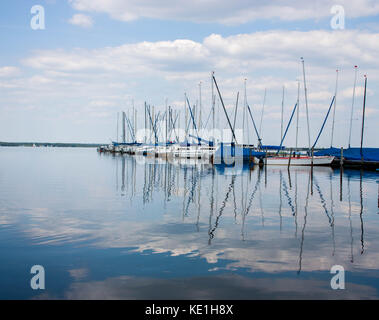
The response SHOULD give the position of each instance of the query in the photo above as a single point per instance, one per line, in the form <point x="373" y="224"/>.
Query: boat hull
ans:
<point x="300" y="161"/>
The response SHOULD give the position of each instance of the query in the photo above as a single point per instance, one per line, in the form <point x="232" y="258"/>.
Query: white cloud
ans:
<point x="256" y="51"/>
<point x="224" y="11"/>
<point x="81" y="20"/>
<point x="86" y="83"/>
<point x="9" y="71"/>
<point x="348" y="92"/>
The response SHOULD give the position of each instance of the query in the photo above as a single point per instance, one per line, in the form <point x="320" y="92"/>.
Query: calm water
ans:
<point x="114" y="227"/>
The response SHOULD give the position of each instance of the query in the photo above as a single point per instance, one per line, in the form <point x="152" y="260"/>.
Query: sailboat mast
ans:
<point x="297" y="112"/>
<point x="263" y="108"/>
<point x="306" y="104"/>
<point x="178" y="112"/>
<point x="117" y="126"/>
<point x="213" y="106"/>
<point x="128" y="133"/>
<point x="178" y="124"/>
<point x="244" y="112"/>
<point x="169" y="123"/>
<point x="352" y="104"/>
<point x="363" y="117"/>
<point x="235" y="112"/>
<point x="150" y="124"/>
<point x="123" y="127"/>
<point x="281" y="118"/>
<point x="185" y="116"/>
<point x="153" y="125"/>
<point x="334" y="109"/>
<point x="134" y="120"/>
<point x="166" y="118"/>
<point x="135" y="125"/>
<point x="194" y="113"/>
<point x="199" y="126"/>
<point x="146" y="123"/>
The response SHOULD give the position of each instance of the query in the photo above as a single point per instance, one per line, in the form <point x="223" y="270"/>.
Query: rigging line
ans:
<point x="288" y="125"/>
<point x="130" y="127"/>
<point x="235" y="113"/>
<point x="255" y="127"/>
<point x="209" y="116"/>
<point x="174" y="126"/>
<point x="222" y="102"/>
<point x="323" y="124"/>
<point x="152" y="124"/>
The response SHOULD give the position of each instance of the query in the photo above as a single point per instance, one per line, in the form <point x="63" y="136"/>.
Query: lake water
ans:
<point x="117" y="227"/>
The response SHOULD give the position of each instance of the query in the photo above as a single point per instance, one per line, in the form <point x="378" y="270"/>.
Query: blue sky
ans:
<point x="67" y="82"/>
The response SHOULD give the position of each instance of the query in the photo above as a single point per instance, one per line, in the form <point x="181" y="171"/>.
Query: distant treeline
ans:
<point x="49" y="144"/>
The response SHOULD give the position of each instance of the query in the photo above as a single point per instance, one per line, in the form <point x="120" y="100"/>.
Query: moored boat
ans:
<point x="300" y="160"/>
<point x="194" y="151"/>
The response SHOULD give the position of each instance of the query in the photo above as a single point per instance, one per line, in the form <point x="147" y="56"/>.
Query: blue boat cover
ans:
<point x="369" y="154"/>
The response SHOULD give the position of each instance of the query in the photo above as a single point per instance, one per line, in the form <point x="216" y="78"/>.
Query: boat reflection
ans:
<point x="221" y="197"/>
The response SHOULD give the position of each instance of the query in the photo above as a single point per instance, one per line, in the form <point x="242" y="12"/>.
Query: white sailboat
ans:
<point x="300" y="160"/>
<point x="297" y="159"/>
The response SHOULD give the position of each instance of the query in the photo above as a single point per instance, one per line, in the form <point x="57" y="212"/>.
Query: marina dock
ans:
<point x="229" y="154"/>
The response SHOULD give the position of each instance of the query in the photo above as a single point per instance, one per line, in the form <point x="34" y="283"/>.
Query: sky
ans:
<point x="93" y="59"/>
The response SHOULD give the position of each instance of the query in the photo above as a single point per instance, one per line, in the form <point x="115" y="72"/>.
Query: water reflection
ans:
<point x="111" y="218"/>
<point x="238" y="197"/>
<point x="304" y="225"/>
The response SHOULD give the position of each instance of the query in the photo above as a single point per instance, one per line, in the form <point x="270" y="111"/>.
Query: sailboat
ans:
<point x="196" y="151"/>
<point x="297" y="159"/>
<point x="300" y="160"/>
